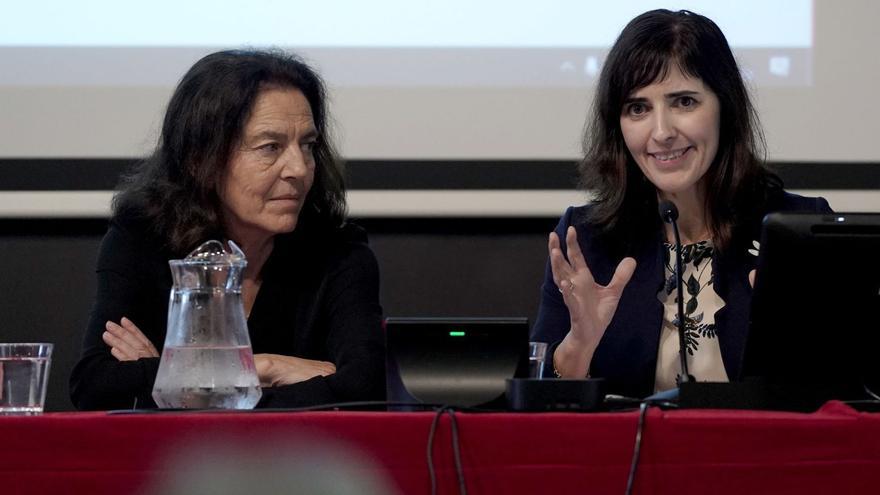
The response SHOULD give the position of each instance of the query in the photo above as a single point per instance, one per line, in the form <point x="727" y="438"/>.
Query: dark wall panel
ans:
<point x="460" y="275"/>
<point x="103" y="174"/>
<point x="47" y="285"/>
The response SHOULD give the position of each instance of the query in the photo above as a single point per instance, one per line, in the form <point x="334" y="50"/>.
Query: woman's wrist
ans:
<point x="572" y="358"/>
<point x="557" y="374"/>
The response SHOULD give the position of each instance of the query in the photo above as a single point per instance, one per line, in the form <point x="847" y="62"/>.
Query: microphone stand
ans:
<point x="669" y="214"/>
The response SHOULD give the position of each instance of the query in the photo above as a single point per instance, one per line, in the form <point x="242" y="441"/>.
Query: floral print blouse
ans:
<point x="700" y="304"/>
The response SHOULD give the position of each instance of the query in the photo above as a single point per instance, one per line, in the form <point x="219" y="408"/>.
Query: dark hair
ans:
<point x="737" y="180"/>
<point x="177" y="189"/>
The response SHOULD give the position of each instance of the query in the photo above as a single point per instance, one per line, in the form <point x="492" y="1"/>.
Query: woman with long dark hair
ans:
<point x="244" y="154"/>
<point x="671" y="121"/>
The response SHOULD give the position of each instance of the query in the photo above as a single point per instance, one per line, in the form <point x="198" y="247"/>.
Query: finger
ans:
<point x="752" y="278"/>
<point x="558" y="265"/>
<point x="115" y="336"/>
<point x="314" y="368"/>
<point x="123" y="334"/>
<point x="575" y="256"/>
<point x="119" y="348"/>
<point x="322" y="368"/>
<point x="127" y="341"/>
<point x="144" y="342"/>
<point x="552" y="241"/>
<point x="121" y="356"/>
<point x="622" y="274"/>
<point x="136" y="332"/>
<point x="120" y="332"/>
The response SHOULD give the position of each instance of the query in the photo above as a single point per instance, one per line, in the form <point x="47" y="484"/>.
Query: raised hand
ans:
<point x="127" y="342"/>
<point x="590" y="305"/>
<point x="276" y="369"/>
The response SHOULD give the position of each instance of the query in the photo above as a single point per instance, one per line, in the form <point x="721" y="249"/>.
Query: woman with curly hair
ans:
<point x="244" y="155"/>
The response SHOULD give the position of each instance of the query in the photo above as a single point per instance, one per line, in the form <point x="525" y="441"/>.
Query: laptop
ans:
<point x="462" y="362"/>
<point x="814" y="331"/>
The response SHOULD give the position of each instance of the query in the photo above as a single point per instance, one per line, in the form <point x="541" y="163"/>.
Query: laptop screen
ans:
<point x="454" y="361"/>
<point x="815" y="315"/>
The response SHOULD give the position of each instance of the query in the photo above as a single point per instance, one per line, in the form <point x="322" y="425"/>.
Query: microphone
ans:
<point x="669" y="214"/>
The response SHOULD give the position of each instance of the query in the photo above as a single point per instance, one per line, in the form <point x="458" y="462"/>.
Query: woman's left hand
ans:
<point x="276" y="369"/>
<point x="127" y="342"/>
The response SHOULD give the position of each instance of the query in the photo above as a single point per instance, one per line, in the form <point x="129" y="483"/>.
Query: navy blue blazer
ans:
<point x="627" y="354"/>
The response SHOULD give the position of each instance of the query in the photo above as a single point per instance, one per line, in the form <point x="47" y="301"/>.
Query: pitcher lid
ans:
<point x="214" y="253"/>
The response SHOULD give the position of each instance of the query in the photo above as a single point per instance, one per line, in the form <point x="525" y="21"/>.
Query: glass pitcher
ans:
<point x="207" y="361"/>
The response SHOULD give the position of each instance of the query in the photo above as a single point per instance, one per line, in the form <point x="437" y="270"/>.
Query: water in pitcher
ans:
<point x="208" y="377"/>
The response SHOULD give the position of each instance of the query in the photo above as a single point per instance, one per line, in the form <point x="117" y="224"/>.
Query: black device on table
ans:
<point x="814" y="329"/>
<point x="460" y="362"/>
<point x="474" y="363"/>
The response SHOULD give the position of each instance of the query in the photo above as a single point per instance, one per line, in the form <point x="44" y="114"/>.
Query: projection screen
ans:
<point x="451" y="82"/>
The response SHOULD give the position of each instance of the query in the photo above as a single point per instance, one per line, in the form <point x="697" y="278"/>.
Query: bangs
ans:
<point x="647" y="67"/>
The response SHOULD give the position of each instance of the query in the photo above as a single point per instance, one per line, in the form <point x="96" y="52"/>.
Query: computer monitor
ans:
<point x="454" y="361"/>
<point x="815" y="316"/>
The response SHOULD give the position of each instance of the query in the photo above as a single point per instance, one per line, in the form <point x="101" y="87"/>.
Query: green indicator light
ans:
<point x="456" y="334"/>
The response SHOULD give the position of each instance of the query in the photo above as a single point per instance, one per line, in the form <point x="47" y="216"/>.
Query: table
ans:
<point x="834" y="450"/>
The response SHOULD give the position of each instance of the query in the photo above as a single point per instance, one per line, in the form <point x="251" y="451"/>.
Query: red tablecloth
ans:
<point x="835" y="450"/>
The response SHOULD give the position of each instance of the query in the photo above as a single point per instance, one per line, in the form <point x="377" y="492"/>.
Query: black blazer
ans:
<point x="627" y="355"/>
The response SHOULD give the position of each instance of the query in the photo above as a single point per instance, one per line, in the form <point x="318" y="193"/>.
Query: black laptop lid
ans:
<point x="454" y="361"/>
<point x="815" y="315"/>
